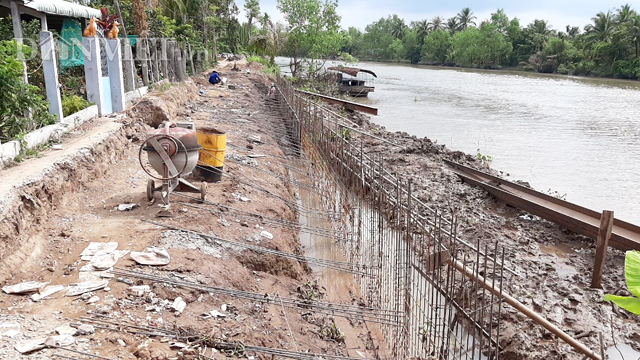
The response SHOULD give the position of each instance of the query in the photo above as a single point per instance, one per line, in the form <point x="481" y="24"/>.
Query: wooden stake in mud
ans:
<point x="604" y="234"/>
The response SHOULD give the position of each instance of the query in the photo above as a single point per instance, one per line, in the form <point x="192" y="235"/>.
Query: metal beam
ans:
<point x="347" y="104"/>
<point x="624" y="236"/>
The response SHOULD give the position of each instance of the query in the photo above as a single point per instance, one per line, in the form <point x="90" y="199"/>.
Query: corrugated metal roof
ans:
<point x="63" y="8"/>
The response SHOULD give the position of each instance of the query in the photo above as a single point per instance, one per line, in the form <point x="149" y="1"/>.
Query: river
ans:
<point x="570" y="135"/>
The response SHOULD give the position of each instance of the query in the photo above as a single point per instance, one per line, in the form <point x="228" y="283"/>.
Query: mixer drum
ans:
<point x="188" y="142"/>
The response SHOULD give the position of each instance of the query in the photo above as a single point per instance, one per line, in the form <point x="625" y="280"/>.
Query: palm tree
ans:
<point x="437" y="23"/>
<point x="602" y="27"/>
<point x="625" y="14"/>
<point x="140" y="25"/>
<point x="572" y="32"/>
<point x="634" y="31"/>
<point x="452" y="25"/>
<point x="397" y="27"/>
<point x="465" y="18"/>
<point x="422" y="29"/>
<point x="539" y="32"/>
<point x="272" y="41"/>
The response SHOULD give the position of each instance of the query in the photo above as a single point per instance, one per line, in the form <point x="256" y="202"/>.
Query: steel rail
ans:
<point x="624" y="236"/>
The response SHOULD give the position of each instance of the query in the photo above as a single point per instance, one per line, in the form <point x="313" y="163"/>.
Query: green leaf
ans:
<point x="632" y="272"/>
<point x="626" y="302"/>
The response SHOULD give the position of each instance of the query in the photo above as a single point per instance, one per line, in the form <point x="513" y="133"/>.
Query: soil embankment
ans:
<point x="554" y="264"/>
<point x="50" y="220"/>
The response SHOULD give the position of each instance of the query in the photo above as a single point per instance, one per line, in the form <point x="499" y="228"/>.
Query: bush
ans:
<point x="18" y="97"/>
<point x="71" y="104"/>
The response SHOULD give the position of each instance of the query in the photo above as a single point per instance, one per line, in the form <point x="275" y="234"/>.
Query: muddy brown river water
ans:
<point x="570" y="135"/>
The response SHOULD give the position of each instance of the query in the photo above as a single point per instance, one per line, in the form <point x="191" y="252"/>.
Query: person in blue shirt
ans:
<point x="215" y="78"/>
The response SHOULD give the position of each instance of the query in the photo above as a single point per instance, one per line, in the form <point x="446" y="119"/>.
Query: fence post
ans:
<point x="163" y="58"/>
<point x="50" y="70"/>
<point x="604" y="234"/>
<point x="114" y="64"/>
<point x="93" y="72"/>
<point x="129" y="66"/>
<point x="142" y="56"/>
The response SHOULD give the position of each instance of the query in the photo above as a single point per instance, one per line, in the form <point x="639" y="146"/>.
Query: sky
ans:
<point x="559" y="13"/>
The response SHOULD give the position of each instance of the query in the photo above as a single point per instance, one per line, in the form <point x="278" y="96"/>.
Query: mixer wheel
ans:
<point x="151" y="187"/>
<point x="203" y="191"/>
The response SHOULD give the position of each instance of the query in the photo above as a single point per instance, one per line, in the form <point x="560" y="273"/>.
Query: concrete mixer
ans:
<point x="172" y="152"/>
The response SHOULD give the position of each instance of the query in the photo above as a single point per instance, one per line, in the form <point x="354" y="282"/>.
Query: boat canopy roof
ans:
<point x="351" y="70"/>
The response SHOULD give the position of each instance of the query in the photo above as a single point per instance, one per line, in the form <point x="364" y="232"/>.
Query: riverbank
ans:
<point x="554" y="265"/>
<point x="229" y="284"/>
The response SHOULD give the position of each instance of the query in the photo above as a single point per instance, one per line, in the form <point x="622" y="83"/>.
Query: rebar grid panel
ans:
<point x="405" y="248"/>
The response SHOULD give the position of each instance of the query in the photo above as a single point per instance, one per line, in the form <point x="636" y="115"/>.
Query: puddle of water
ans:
<point x="627" y="353"/>
<point x="560" y="250"/>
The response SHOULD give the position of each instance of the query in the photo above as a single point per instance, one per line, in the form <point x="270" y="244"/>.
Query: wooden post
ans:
<point x="171" y="60"/>
<point x="178" y="63"/>
<point x="154" y="61"/>
<point x="604" y="234"/>
<point x="50" y="69"/>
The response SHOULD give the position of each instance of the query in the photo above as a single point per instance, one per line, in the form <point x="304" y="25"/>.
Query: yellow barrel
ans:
<point x="214" y="144"/>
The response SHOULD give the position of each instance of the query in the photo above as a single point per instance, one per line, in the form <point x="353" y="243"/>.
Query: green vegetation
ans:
<point x="17" y="97"/>
<point x="71" y="104"/>
<point x="608" y="47"/>
<point x="632" y="276"/>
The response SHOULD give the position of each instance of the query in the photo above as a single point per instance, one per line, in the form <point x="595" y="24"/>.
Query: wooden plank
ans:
<point x="604" y="234"/>
<point x="347" y="104"/>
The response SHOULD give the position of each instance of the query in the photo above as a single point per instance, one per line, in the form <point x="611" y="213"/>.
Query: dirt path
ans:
<point x="76" y="203"/>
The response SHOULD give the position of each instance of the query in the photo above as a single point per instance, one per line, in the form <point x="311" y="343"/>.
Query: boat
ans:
<point x="353" y="84"/>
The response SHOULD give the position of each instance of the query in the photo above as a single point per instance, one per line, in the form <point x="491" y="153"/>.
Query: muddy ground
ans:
<point x="555" y="264"/>
<point x="48" y="222"/>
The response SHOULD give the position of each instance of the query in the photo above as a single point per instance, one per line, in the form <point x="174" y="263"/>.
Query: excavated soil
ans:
<point x="54" y="219"/>
<point x="553" y="263"/>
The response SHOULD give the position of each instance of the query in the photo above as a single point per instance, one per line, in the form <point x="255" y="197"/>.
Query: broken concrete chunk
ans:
<point x="254" y="138"/>
<point x="153" y="256"/>
<point x="139" y="290"/>
<point x="59" y="340"/>
<point x="121" y="342"/>
<point x="127" y="207"/>
<point x="47" y="291"/>
<point x="28" y="346"/>
<point x="179" y="305"/>
<point x="266" y="234"/>
<point x="66" y="330"/>
<point x="24" y="288"/>
<point x="9" y="329"/>
<point x="93" y="300"/>
<point x="214" y="314"/>
<point x="86" y="329"/>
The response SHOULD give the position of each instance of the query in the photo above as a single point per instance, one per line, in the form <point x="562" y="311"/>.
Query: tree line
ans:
<point x="608" y="46"/>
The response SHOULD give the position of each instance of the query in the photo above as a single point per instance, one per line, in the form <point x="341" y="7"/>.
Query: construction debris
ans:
<point x="153" y="256"/>
<point x="9" y="329"/>
<point x="46" y="292"/>
<point x="86" y="287"/>
<point x="24" y="288"/>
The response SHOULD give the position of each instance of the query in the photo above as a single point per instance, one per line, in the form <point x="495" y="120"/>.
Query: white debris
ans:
<point x="57" y="147"/>
<point x="153" y="256"/>
<point x="86" y="329"/>
<point x="87" y="286"/>
<point x="104" y="261"/>
<point x="214" y="314"/>
<point x="93" y="300"/>
<point x="223" y="307"/>
<point x="121" y="342"/>
<point x="9" y="329"/>
<point x="179" y="305"/>
<point x="254" y="138"/>
<point x="59" y="340"/>
<point x="28" y="346"/>
<point x="127" y="207"/>
<point x="25" y="287"/>
<point x="66" y="330"/>
<point x="178" y="345"/>
<point x="47" y="291"/>
<point x="96" y="248"/>
<point x="139" y="290"/>
<point x="267" y="235"/>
